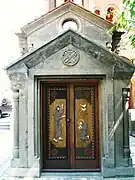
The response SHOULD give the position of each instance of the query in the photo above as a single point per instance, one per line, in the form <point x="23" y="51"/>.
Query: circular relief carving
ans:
<point x="70" y="57"/>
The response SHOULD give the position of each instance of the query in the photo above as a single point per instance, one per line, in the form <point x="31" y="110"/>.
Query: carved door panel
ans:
<point x="71" y="128"/>
<point x="86" y="128"/>
<point x="56" y="144"/>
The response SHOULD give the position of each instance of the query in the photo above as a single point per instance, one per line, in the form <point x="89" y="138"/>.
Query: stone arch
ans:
<point x="111" y="13"/>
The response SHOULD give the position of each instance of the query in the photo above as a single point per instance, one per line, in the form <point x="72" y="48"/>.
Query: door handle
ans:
<point x="68" y="120"/>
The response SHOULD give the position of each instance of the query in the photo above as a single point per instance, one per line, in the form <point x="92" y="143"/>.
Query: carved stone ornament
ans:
<point x="17" y="81"/>
<point x="70" y="57"/>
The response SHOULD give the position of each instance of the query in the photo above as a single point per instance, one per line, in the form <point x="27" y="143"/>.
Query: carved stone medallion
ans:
<point x="70" y="57"/>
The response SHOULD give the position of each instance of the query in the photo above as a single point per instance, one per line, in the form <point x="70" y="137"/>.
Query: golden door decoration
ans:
<point x="85" y="141"/>
<point x="57" y="123"/>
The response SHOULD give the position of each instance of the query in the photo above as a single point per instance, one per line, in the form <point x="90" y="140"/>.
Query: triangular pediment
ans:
<point x="51" y="25"/>
<point x="108" y="59"/>
<point x="60" y="11"/>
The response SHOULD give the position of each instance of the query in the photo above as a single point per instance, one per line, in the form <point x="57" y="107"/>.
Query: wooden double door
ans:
<point x="70" y="127"/>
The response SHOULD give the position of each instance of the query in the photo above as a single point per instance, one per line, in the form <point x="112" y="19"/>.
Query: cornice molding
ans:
<point x="109" y="59"/>
<point x="65" y="8"/>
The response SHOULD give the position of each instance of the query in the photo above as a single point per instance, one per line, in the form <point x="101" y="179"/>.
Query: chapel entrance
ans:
<point x="70" y="127"/>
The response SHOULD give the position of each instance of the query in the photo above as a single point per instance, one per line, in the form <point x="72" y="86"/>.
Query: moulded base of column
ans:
<point x="15" y="162"/>
<point x="16" y="152"/>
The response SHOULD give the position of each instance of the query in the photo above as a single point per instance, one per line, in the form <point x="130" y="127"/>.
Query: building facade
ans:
<point x="69" y="112"/>
<point x="103" y="9"/>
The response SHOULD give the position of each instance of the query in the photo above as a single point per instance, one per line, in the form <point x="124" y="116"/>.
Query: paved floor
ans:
<point x="68" y="178"/>
<point x="132" y="148"/>
<point x="5" y="143"/>
<point x="5" y="156"/>
<point x="5" y="149"/>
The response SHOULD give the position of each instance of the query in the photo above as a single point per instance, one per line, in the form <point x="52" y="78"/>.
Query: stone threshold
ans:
<point x="67" y="176"/>
<point x="89" y="174"/>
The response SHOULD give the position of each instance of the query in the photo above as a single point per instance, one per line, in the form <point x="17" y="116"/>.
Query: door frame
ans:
<point x="73" y="80"/>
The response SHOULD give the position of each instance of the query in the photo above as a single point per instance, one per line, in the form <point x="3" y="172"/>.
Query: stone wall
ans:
<point x="51" y="30"/>
<point x="50" y="61"/>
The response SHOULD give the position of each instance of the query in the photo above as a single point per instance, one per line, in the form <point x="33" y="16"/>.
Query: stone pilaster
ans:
<point x="86" y="4"/>
<point x="16" y="124"/>
<point x="23" y="44"/>
<point x="126" y="150"/>
<point x="23" y="126"/>
<point x="109" y="144"/>
<point x="20" y="130"/>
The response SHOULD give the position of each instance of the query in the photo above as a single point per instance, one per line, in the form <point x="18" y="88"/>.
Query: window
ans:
<point x="69" y="24"/>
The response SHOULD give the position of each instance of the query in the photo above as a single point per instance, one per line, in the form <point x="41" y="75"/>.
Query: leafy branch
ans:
<point x="126" y="21"/>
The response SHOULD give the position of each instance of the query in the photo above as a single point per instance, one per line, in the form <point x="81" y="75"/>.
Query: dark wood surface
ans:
<point x="70" y="163"/>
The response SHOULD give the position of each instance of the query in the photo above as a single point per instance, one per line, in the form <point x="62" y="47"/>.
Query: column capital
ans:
<point x="18" y="77"/>
<point x="18" y="80"/>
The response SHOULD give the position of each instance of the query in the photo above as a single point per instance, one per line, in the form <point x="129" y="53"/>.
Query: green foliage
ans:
<point x="126" y="20"/>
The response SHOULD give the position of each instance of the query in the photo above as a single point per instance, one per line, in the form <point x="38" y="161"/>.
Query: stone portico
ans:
<point x="89" y="61"/>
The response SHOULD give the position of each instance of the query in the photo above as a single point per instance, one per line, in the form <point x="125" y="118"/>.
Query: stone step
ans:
<point x="55" y="176"/>
<point x="67" y="178"/>
<point x="72" y="176"/>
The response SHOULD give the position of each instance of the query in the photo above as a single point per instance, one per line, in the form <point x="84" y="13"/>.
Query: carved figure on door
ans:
<point x="58" y="115"/>
<point x="83" y="130"/>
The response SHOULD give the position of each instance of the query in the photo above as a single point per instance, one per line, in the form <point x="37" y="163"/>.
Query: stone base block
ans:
<point x="15" y="162"/>
<point x="22" y="172"/>
<point x="118" y="172"/>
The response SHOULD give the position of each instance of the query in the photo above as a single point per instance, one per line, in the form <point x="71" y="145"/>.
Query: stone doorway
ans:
<point x="70" y="126"/>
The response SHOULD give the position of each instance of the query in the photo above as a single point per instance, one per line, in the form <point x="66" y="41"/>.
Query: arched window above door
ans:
<point x="69" y="24"/>
<point x="111" y="14"/>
